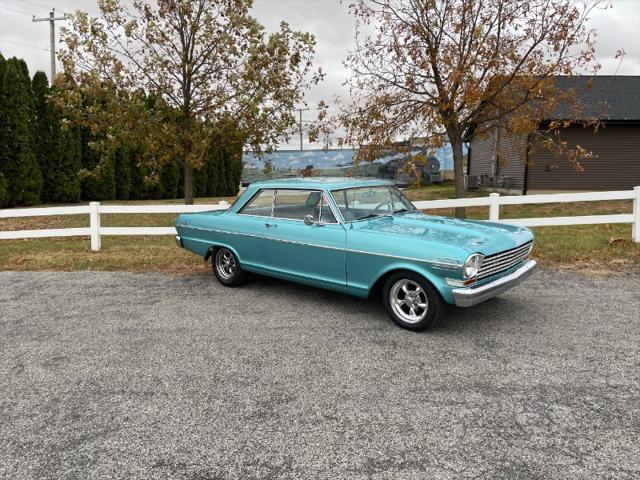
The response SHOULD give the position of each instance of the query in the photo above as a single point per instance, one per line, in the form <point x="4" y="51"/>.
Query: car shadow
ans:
<point x="454" y="318"/>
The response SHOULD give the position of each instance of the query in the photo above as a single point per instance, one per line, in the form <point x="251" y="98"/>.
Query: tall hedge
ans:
<point x="57" y="150"/>
<point x="123" y="165"/>
<point x="4" y="195"/>
<point x="18" y="162"/>
<point x="221" y="174"/>
<point x="44" y="158"/>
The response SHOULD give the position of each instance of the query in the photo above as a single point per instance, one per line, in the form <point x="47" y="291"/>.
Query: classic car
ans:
<point x="359" y="237"/>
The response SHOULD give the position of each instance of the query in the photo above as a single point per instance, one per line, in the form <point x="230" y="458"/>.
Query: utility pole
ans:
<point x="300" y="110"/>
<point x="300" y="131"/>
<point x="52" y="30"/>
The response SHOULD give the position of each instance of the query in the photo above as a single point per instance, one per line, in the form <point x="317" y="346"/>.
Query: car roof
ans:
<point x="320" y="182"/>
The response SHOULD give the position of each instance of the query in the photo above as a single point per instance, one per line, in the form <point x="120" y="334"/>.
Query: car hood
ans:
<point x="471" y="235"/>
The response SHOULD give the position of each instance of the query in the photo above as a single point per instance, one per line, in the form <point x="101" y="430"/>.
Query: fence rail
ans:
<point x="493" y="201"/>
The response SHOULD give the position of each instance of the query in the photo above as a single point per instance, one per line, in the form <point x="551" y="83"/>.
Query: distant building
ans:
<point x="340" y="162"/>
<point x="499" y="160"/>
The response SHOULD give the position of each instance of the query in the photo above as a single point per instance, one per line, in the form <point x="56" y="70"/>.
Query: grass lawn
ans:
<point x="596" y="249"/>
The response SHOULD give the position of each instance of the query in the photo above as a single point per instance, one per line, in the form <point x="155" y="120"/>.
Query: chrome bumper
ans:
<point x="178" y="241"/>
<point x="466" y="297"/>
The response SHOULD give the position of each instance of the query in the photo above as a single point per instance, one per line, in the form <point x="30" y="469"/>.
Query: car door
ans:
<point x="248" y="226"/>
<point x="312" y="253"/>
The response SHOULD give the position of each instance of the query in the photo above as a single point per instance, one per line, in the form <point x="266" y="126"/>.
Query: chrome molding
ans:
<point x="282" y="240"/>
<point x="466" y="297"/>
<point x="273" y="205"/>
<point x="273" y="202"/>
<point x="504" y="260"/>
<point x="436" y="263"/>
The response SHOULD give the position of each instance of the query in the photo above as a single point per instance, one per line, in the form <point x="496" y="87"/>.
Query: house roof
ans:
<point x="610" y="97"/>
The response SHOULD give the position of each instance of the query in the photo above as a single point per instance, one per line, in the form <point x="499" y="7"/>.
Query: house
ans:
<point x="499" y="160"/>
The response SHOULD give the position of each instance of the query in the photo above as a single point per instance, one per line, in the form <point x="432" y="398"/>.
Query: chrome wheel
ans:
<point x="408" y="301"/>
<point x="225" y="263"/>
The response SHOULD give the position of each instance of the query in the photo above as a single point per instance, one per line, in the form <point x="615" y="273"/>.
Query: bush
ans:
<point x="3" y="190"/>
<point x="18" y="162"/>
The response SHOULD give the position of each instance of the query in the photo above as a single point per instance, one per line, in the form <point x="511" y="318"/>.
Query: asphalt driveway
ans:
<point x="118" y="375"/>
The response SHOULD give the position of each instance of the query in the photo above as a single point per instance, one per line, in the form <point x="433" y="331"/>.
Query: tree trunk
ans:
<point x="458" y="173"/>
<point x="188" y="184"/>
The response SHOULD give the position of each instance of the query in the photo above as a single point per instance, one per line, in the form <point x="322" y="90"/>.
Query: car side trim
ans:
<point x="436" y="263"/>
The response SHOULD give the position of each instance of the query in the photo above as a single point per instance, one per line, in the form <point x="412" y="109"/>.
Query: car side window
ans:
<point x="260" y="205"/>
<point x="297" y="204"/>
<point x="327" y="215"/>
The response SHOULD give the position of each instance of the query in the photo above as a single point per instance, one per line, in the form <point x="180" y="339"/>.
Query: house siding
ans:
<point x="616" y="165"/>
<point x="511" y="155"/>
<point x="482" y="149"/>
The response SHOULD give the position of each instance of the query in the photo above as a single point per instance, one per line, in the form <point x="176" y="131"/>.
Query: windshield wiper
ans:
<point x="372" y="215"/>
<point x="404" y="210"/>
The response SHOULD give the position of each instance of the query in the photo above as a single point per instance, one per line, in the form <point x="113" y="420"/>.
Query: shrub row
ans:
<point x="42" y="155"/>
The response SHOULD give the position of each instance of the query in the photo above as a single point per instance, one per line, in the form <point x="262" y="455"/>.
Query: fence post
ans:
<point x="635" y="226"/>
<point x="494" y="207"/>
<point x="94" y="225"/>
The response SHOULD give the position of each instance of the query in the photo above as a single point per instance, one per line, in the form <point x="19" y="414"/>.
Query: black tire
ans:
<point x="422" y="299"/>
<point x="227" y="269"/>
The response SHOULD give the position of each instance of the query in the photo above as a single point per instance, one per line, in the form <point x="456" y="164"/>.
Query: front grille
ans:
<point x="499" y="262"/>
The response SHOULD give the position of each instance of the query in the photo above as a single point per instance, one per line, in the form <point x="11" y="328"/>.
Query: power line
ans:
<point x="39" y="5"/>
<point x="24" y="45"/>
<point x="24" y="12"/>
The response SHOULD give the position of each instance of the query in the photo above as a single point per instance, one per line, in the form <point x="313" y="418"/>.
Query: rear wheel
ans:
<point x="411" y="301"/>
<point x="227" y="268"/>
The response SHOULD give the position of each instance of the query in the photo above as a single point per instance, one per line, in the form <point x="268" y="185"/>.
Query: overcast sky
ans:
<point x="328" y="20"/>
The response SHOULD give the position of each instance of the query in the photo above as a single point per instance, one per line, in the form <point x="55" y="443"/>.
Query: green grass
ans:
<point x="597" y="249"/>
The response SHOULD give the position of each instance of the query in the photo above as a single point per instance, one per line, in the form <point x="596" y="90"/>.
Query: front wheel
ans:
<point x="227" y="268"/>
<point x="411" y="301"/>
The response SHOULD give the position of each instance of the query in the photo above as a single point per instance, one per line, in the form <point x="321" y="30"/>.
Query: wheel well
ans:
<point x="211" y="251"/>
<point x="376" y="290"/>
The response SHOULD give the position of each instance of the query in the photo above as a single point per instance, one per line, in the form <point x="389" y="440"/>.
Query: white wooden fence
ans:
<point x="493" y="201"/>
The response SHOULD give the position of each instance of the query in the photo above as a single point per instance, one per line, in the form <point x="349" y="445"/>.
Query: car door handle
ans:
<point x="268" y="225"/>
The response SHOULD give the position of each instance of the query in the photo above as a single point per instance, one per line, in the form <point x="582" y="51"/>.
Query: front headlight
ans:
<point x="472" y="265"/>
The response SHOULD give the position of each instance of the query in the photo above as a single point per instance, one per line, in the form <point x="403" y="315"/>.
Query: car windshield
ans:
<point x="359" y="203"/>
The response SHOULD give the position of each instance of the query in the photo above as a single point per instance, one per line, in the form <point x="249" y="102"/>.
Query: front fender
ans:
<point x="435" y="276"/>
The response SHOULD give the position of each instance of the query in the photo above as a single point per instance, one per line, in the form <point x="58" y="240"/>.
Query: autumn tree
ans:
<point x="206" y="61"/>
<point x="440" y="69"/>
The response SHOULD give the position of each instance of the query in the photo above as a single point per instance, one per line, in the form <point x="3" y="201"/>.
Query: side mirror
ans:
<point x="309" y="220"/>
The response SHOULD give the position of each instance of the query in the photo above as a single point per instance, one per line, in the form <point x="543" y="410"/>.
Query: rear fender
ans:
<point x="212" y="248"/>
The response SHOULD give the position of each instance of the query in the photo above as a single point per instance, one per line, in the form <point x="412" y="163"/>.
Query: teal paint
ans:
<point x="349" y="256"/>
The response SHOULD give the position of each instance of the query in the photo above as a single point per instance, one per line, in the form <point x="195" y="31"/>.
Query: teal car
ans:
<point x="359" y="237"/>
